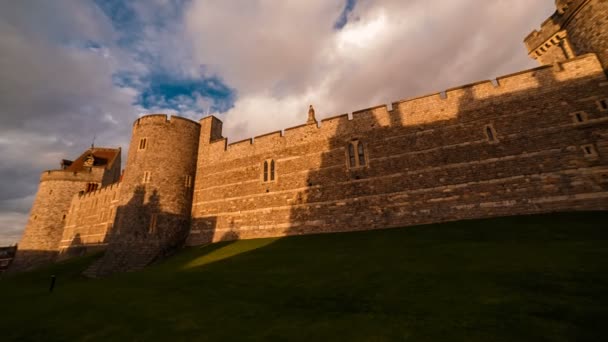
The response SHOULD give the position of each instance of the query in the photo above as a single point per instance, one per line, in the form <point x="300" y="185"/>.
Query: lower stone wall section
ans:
<point x="89" y="222"/>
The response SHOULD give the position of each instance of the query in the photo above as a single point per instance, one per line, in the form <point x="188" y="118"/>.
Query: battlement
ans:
<point x="548" y="28"/>
<point x="111" y="188"/>
<point x="440" y="106"/>
<point x="156" y="119"/>
<point x="555" y="23"/>
<point x="92" y="175"/>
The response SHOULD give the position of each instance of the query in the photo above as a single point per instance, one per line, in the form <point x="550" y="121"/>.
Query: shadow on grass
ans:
<point x="525" y="278"/>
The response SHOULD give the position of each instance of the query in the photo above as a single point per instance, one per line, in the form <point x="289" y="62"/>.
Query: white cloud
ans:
<point x="281" y="58"/>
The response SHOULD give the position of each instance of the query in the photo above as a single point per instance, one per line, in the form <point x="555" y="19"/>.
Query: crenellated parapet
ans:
<point x="92" y="175"/>
<point x="90" y="220"/>
<point x="577" y="27"/>
<point x="436" y="108"/>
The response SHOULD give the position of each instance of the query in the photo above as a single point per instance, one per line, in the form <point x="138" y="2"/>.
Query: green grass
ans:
<point x="531" y="278"/>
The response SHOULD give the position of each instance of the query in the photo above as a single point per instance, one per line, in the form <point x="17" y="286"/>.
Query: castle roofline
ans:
<point x="160" y="117"/>
<point x="103" y="157"/>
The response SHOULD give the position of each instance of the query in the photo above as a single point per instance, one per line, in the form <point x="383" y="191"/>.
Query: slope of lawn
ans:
<point x="528" y="278"/>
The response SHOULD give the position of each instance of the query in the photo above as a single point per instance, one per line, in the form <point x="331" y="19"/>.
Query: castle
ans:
<point x="531" y="142"/>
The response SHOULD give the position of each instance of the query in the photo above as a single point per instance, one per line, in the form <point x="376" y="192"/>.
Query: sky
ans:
<point x="74" y="70"/>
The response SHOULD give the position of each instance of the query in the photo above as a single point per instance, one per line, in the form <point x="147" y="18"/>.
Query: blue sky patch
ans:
<point x="164" y="88"/>
<point x="343" y="18"/>
<point x="164" y="91"/>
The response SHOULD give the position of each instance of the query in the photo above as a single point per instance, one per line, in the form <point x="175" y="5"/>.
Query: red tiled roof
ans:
<point x="104" y="157"/>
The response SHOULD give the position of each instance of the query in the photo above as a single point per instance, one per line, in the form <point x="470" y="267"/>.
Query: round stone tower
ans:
<point x="39" y="244"/>
<point x="40" y="241"/>
<point x="576" y="28"/>
<point x="153" y="215"/>
<point x="587" y="26"/>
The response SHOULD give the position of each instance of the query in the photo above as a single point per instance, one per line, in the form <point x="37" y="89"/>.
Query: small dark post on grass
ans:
<point x="52" y="283"/>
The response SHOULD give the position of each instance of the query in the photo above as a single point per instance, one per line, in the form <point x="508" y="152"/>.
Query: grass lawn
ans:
<point x="530" y="278"/>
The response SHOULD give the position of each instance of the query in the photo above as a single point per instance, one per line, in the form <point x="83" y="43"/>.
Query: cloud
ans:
<point x="57" y="93"/>
<point x="12" y="223"/>
<point x="345" y="56"/>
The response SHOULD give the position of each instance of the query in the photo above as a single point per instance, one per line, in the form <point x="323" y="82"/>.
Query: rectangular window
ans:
<point x="589" y="151"/>
<point x="152" y="227"/>
<point x="146" y="178"/>
<point x="602" y="105"/>
<point x="351" y="155"/>
<point x="272" y="170"/>
<point x="361" y="154"/>
<point x="490" y="134"/>
<point x="265" y="171"/>
<point x="188" y="181"/>
<point x="579" y="117"/>
<point x="142" y="143"/>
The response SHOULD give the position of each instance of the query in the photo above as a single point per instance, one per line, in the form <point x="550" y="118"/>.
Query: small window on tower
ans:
<point x="603" y="105"/>
<point x="146" y="178"/>
<point x="269" y="174"/>
<point x="143" y="143"/>
<point x="589" y="151"/>
<point x="152" y="226"/>
<point x="272" y="170"/>
<point x="356" y="154"/>
<point x="352" y="162"/>
<point x="265" y="171"/>
<point x="490" y="134"/>
<point x="579" y="117"/>
<point x="361" y="154"/>
<point x="188" y="182"/>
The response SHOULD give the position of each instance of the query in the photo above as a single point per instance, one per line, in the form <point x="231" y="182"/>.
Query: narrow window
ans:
<point x="490" y="134"/>
<point x="265" y="171"/>
<point x="142" y="143"/>
<point x="272" y="170"/>
<point x="152" y="227"/>
<point x="361" y="154"/>
<point x="351" y="155"/>
<point x="146" y="178"/>
<point x="589" y="151"/>
<point x="579" y="117"/>
<point x="188" y="182"/>
<point x="603" y="105"/>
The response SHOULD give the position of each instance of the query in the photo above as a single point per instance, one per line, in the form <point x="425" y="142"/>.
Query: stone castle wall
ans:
<point x="89" y="220"/>
<point x="427" y="160"/>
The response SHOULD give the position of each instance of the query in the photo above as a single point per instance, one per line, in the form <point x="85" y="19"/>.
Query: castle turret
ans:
<point x="577" y="27"/>
<point x="96" y="167"/>
<point x="156" y="193"/>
